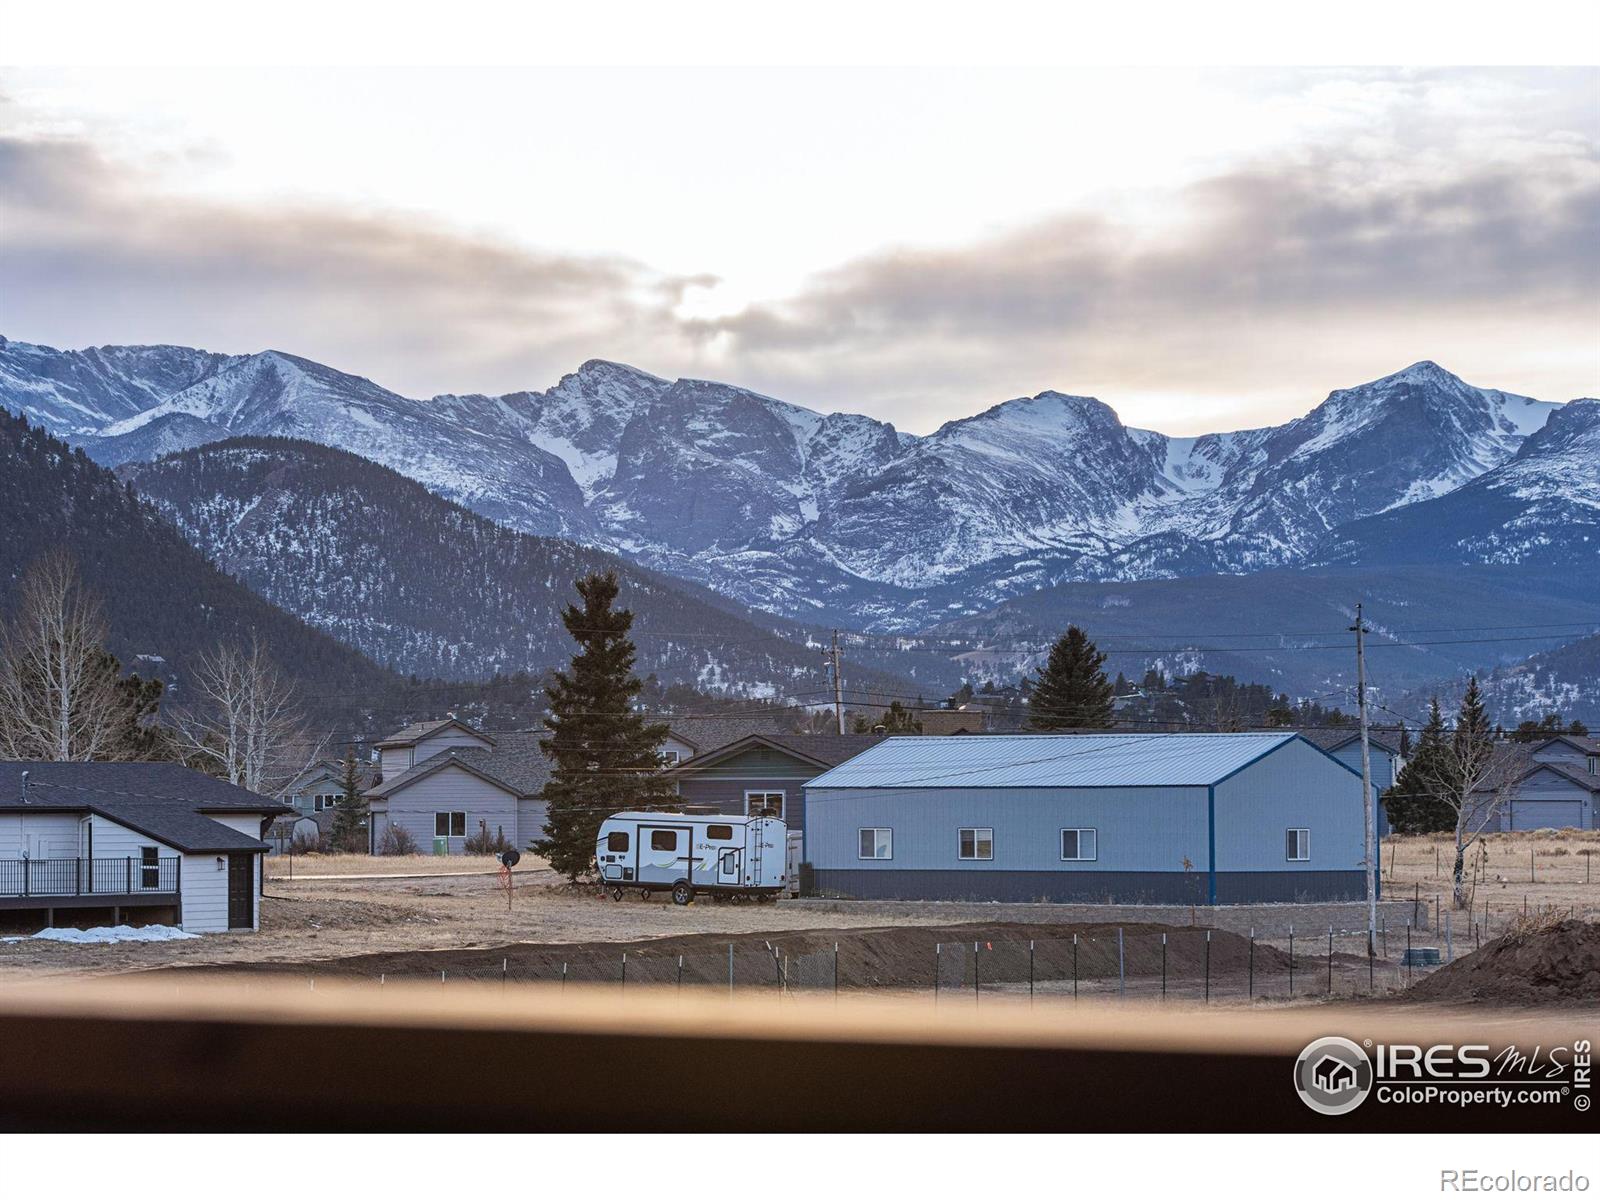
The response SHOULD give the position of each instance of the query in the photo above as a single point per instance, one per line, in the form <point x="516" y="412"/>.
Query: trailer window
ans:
<point x="976" y="844"/>
<point x="876" y="843"/>
<point x="617" y="843"/>
<point x="663" y="839"/>
<point x="719" y="833"/>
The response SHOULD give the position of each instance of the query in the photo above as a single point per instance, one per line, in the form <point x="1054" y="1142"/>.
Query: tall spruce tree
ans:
<point x="604" y="755"/>
<point x="1071" y="690"/>
<point x="350" y="815"/>
<point x="1415" y="802"/>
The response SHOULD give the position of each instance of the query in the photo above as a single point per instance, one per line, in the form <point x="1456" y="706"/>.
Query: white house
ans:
<point x="148" y="842"/>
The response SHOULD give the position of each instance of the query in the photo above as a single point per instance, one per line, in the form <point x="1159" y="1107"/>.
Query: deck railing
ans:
<point x="47" y="877"/>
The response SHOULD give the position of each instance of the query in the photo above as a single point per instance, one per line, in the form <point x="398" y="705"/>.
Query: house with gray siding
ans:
<point x="443" y="782"/>
<point x="764" y="773"/>
<point x="1384" y="758"/>
<point x="320" y="787"/>
<point x="1225" y="818"/>
<point x="1554" y="784"/>
<point x="129" y="842"/>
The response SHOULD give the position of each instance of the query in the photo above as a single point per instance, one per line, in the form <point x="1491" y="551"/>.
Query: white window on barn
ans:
<point x="449" y="824"/>
<point x="1079" y="845"/>
<point x="1297" y="845"/>
<point x="875" y="843"/>
<point x="763" y="804"/>
<point x="669" y="758"/>
<point x="976" y="844"/>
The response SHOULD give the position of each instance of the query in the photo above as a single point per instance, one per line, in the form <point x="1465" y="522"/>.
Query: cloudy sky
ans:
<point x="1202" y="249"/>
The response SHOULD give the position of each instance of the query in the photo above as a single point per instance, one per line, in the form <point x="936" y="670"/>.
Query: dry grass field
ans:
<point x="1547" y="869"/>
<point x="285" y="866"/>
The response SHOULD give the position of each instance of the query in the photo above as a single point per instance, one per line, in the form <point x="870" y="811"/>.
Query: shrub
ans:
<point x="482" y="843"/>
<point x="396" y="840"/>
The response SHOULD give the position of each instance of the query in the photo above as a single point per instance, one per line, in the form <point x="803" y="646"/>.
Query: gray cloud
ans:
<point x="88" y="253"/>
<point x="1277" y="282"/>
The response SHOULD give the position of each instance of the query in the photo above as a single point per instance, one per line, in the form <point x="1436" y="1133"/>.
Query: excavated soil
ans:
<point x="886" y="957"/>
<point x="1556" y="965"/>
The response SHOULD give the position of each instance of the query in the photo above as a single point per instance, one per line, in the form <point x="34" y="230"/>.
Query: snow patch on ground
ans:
<point x="106" y="934"/>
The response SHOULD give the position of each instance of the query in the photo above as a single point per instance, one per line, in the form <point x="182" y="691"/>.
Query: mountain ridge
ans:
<point x="834" y="517"/>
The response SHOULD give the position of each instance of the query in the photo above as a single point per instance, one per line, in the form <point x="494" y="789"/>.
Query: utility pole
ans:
<point x="1369" y="824"/>
<point x="838" y="685"/>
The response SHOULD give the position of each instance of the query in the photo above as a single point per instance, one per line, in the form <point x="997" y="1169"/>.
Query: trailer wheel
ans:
<point x="616" y="893"/>
<point x="682" y="893"/>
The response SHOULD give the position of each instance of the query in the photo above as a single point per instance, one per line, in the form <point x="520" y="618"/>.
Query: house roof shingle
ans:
<point x="514" y="763"/>
<point x="421" y="730"/>
<point x="164" y="801"/>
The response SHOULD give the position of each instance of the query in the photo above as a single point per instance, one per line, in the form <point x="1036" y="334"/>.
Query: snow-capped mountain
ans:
<point x="829" y="517"/>
<point x="1540" y="507"/>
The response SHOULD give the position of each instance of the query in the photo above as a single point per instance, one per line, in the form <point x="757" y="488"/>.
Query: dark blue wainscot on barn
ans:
<point x="1113" y="818"/>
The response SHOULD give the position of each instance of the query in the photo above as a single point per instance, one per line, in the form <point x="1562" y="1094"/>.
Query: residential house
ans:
<point x="1220" y="818"/>
<point x="1556" y="785"/>
<point x="320" y="786"/>
<point x="444" y="782"/>
<point x="136" y="841"/>
<point x="764" y="772"/>
<point x="1383" y="756"/>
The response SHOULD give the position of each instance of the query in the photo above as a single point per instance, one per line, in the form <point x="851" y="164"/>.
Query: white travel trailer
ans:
<point x="720" y="854"/>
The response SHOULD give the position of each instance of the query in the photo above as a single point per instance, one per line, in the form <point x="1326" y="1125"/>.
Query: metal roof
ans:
<point x="1053" y="760"/>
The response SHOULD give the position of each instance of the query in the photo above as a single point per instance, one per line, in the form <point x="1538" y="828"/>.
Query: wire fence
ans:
<point x="1109" y="963"/>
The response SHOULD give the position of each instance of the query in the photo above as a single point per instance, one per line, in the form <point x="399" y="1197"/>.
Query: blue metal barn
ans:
<point x="1223" y="818"/>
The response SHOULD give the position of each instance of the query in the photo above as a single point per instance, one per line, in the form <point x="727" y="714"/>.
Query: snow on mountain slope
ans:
<point x="810" y="515"/>
<point x="1540" y="507"/>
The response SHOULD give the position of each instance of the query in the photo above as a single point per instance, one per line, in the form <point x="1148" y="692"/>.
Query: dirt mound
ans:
<point x="1559" y="964"/>
<point x="895" y="956"/>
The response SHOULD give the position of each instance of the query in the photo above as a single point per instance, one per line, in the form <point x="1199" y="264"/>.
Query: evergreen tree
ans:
<point x="350" y="815"/>
<point x="1413" y="803"/>
<point x="896" y="719"/>
<point x="1071" y="690"/>
<point x="604" y="755"/>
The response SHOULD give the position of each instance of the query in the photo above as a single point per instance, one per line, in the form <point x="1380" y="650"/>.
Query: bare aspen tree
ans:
<point x="243" y="717"/>
<point x="59" y="696"/>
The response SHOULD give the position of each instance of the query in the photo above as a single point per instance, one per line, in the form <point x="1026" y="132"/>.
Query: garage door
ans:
<point x="1547" y="814"/>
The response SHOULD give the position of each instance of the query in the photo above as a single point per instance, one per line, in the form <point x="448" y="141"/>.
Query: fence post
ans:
<point x="505" y="964"/>
<point x="624" y="969"/>
<point x="1416" y="901"/>
<point x="836" y="972"/>
<point x="1122" y="974"/>
<point x="1437" y="910"/>
<point x="1252" y="964"/>
<point x="1030" y="970"/>
<point x="1291" y="960"/>
<point x="1330" y="960"/>
<point x="730" y="968"/>
<point x="1208" y="966"/>
<point x="563" y="977"/>
<point x="680" y="972"/>
<point x="1408" y="953"/>
<point x="1074" y="968"/>
<point x="976" y="971"/>
<point x="938" y="953"/>
<point x="1449" y="945"/>
<point x="1371" y="985"/>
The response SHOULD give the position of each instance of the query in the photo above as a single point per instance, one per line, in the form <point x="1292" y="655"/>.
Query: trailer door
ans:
<point x="664" y="854"/>
<point x="728" y="865"/>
